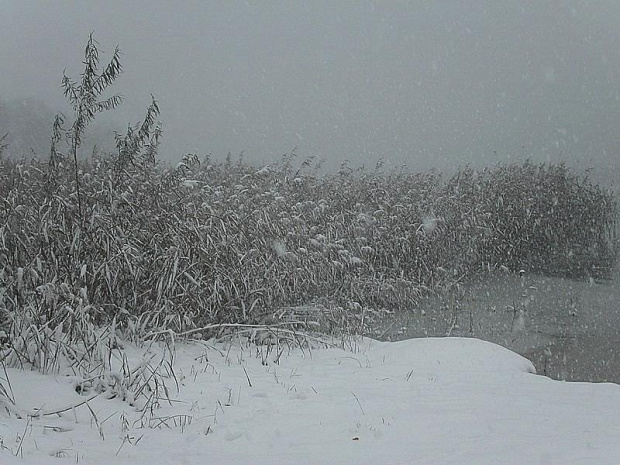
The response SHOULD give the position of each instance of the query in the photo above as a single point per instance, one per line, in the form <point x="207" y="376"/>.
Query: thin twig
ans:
<point x="40" y="413"/>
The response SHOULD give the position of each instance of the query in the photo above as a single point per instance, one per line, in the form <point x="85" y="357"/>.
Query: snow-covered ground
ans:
<point x="420" y="401"/>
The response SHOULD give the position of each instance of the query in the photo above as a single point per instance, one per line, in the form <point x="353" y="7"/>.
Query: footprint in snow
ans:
<point x="233" y="435"/>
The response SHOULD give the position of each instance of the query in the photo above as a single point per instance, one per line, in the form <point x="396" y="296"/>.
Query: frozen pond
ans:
<point x="570" y="329"/>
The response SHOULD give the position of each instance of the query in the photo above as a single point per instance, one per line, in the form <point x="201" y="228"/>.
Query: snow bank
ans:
<point x="426" y="401"/>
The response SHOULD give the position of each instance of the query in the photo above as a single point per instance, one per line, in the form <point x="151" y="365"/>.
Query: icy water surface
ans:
<point x="570" y="329"/>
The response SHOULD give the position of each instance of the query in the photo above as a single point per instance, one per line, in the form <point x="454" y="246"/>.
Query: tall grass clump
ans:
<point x="59" y="236"/>
<point x="542" y="218"/>
<point x="94" y="250"/>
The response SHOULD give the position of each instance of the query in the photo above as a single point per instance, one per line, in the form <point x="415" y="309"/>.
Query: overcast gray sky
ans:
<point x="426" y="83"/>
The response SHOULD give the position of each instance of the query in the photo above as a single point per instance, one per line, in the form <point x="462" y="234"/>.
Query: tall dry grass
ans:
<point x="209" y="243"/>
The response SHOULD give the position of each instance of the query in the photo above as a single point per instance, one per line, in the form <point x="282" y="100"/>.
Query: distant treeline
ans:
<point x="27" y="124"/>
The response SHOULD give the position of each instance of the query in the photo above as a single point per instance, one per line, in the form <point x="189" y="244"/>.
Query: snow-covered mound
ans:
<point x="423" y="401"/>
<point x="450" y="354"/>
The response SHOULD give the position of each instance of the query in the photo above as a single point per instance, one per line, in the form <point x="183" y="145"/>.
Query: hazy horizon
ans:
<point x="423" y="83"/>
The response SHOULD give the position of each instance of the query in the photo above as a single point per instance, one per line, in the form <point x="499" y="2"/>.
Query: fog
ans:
<point x="421" y="83"/>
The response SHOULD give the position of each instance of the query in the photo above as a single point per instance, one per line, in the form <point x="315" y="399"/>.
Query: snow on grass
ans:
<point x="426" y="401"/>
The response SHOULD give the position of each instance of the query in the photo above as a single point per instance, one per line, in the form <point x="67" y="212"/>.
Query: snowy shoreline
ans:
<point x="568" y="329"/>
<point x="433" y="400"/>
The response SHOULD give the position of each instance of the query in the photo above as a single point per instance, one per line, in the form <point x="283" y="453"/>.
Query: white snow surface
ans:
<point x="420" y="401"/>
